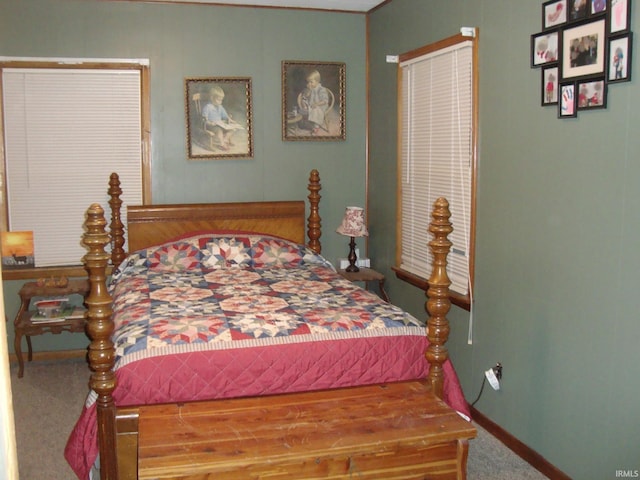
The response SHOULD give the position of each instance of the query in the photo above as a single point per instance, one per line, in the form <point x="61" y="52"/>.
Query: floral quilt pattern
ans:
<point x="219" y="292"/>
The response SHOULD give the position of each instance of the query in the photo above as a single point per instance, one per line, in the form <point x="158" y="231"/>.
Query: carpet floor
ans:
<point x="48" y="399"/>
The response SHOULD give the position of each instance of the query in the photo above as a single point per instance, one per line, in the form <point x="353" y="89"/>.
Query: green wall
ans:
<point x="558" y="201"/>
<point x="186" y="41"/>
<point x="557" y="231"/>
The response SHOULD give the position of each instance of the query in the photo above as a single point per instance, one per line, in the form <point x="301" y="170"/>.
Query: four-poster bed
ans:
<point x="314" y="376"/>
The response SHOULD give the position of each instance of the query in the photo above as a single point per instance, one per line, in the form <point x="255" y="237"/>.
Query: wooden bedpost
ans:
<point x="438" y="303"/>
<point x="99" y="328"/>
<point x="116" y="228"/>
<point x="314" y="232"/>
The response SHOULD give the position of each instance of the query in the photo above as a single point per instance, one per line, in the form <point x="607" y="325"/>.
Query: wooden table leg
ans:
<point x="30" y="349"/>
<point x="18" y="350"/>
<point x="383" y="292"/>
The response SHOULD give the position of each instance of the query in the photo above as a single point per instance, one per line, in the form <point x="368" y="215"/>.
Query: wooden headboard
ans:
<point x="155" y="224"/>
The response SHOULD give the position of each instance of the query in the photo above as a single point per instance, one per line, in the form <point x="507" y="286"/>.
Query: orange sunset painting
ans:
<point x="17" y="249"/>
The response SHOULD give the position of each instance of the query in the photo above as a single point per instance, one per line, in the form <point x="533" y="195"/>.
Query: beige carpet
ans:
<point x="49" y="398"/>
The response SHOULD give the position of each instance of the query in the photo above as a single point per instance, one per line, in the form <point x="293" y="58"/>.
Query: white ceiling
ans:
<point x="342" y="5"/>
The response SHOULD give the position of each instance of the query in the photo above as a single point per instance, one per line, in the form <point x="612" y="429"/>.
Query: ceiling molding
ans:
<point x="361" y="6"/>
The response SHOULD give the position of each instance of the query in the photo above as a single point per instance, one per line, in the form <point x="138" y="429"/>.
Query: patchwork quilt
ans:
<point x="215" y="316"/>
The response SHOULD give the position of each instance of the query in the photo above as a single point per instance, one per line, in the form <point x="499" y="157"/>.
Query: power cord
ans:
<point x="484" y="379"/>
<point x="494" y="375"/>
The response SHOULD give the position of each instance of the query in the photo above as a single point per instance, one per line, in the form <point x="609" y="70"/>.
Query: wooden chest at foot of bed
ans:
<point x="393" y="431"/>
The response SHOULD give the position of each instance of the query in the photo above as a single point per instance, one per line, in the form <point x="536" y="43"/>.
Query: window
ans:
<point x="437" y="118"/>
<point x="68" y="124"/>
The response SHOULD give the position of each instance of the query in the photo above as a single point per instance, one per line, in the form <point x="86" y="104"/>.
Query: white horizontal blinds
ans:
<point x="66" y="131"/>
<point x="437" y="156"/>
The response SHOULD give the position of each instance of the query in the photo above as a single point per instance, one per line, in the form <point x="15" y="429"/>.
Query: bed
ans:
<point x="219" y="306"/>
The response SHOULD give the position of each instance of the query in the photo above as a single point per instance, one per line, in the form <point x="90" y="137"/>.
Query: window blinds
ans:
<point x="437" y="156"/>
<point x="66" y="131"/>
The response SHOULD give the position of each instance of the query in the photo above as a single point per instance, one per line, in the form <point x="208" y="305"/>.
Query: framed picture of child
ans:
<point x="550" y="76"/>
<point x="313" y="101"/>
<point x="219" y="118"/>
<point x="619" y="69"/>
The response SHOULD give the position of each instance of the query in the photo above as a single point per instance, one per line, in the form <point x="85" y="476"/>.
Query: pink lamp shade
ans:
<point x="353" y="223"/>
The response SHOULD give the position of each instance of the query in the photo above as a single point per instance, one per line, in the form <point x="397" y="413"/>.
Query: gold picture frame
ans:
<point x="218" y="118"/>
<point x="313" y="101"/>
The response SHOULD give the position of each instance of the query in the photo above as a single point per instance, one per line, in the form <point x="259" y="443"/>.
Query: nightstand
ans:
<point x="23" y="325"/>
<point x="367" y="275"/>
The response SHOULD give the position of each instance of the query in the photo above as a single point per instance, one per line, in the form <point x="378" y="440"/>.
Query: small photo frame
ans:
<point x="17" y="250"/>
<point x="218" y="118"/>
<point x="619" y="68"/>
<point x="598" y="7"/>
<point x="592" y="94"/>
<point x="313" y="101"/>
<point x="567" y="100"/>
<point x="578" y="10"/>
<point x="550" y="77"/>
<point x="544" y="48"/>
<point x="619" y="16"/>
<point x="584" y="50"/>
<point x="554" y="13"/>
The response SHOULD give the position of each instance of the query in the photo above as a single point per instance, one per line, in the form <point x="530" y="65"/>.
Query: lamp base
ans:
<point x="352" y="257"/>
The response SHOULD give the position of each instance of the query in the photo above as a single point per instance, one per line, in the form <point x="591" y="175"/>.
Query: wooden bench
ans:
<point x="393" y="431"/>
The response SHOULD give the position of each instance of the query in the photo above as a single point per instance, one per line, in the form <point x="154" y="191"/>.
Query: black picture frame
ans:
<point x="619" y="69"/>
<point x="567" y="100"/>
<point x="584" y="46"/>
<point x="598" y="7"/>
<point x="578" y="10"/>
<point x="584" y="50"/>
<point x="618" y="16"/>
<point x="545" y="48"/>
<point x="592" y="94"/>
<point x="549" y="90"/>
<point x="554" y="14"/>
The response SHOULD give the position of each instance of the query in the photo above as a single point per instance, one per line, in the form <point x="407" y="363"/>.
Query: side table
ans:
<point x="367" y="275"/>
<point x="23" y="326"/>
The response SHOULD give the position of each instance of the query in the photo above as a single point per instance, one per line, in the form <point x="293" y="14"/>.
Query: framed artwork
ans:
<point x="598" y="6"/>
<point x="584" y="50"/>
<point x="313" y="101"/>
<point x="567" y="100"/>
<point x="554" y="13"/>
<point x="592" y="94"/>
<point x="550" y="78"/>
<point x="218" y="118"/>
<point x="584" y="45"/>
<point x="17" y="250"/>
<point x="619" y="69"/>
<point x="578" y="10"/>
<point x="619" y="16"/>
<point x="544" y="48"/>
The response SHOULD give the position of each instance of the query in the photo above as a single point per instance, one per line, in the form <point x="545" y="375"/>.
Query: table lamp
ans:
<point x="353" y="226"/>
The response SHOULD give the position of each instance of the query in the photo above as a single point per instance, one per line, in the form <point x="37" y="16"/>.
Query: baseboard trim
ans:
<point x="52" y="355"/>
<point x="529" y="455"/>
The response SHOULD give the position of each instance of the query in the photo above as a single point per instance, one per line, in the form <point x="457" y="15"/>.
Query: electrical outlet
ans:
<point x="498" y="370"/>
<point x="494" y="375"/>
